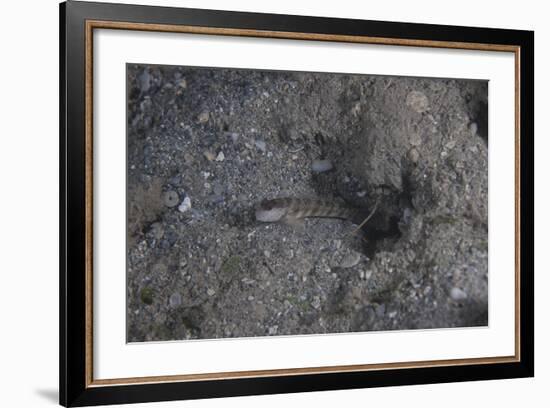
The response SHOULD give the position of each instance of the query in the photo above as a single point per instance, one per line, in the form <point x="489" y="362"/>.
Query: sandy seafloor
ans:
<point x="206" y="145"/>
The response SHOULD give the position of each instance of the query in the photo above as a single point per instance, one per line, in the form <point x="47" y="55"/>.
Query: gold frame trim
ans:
<point x="100" y="24"/>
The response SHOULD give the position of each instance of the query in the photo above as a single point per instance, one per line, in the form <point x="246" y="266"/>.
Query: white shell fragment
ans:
<point x="319" y="166"/>
<point x="260" y="144"/>
<point x="458" y="294"/>
<point x="220" y="157"/>
<point x="185" y="205"/>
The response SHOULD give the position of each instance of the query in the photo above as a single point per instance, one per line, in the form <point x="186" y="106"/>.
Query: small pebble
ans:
<point x="209" y="155"/>
<point x="216" y="198"/>
<point x="362" y="193"/>
<point x="220" y="157"/>
<point x="260" y="144"/>
<point x="316" y="302"/>
<point x="159" y="269"/>
<point x="210" y="292"/>
<point x="418" y="101"/>
<point x="473" y="128"/>
<point x="250" y="298"/>
<point x="175" y="300"/>
<point x="171" y="199"/>
<point x="451" y="144"/>
<point x="145" y="81"/>
<point x="380" y="310"/>
<point x="158" y="230"/>
<point x="356" y="109"/>
<point x="188" y="158"/>
<point x="273" y="329"/>
<point x="234" y="136"/>
<point x="175" y="181"/>
<point x="146" y="296"/>
<point x="413" y="155"/>
<point x="458" y="294"/>
<point x="320" y="166"/>
<point x="350" y="260"/>
<point x="185" y="205"/>
<point x="203" y="117"/>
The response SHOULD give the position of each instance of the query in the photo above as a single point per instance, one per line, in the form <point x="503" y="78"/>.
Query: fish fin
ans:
<point x="294" y="222"/>
<point x="361" y="217"/>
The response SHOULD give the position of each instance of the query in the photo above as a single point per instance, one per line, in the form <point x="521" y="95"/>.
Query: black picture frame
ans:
<point x="77" y="387"/>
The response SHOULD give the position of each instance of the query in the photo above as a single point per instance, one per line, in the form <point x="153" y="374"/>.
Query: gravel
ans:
<point x="204" y="150"/>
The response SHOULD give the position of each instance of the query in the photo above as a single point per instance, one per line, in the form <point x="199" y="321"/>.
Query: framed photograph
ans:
<point x="256" y="203"/>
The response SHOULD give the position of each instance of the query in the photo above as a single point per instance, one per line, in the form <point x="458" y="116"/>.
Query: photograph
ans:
<point x="257" y="202"/>
<point x="285" y="203"/>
